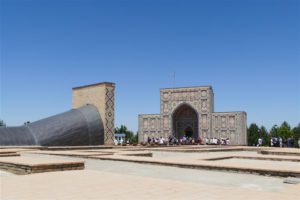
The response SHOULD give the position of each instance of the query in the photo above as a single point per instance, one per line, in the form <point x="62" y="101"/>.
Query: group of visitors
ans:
<point x="279" y="142"/>
<point x="184" y="140"/>
<point x="217" y="141"/>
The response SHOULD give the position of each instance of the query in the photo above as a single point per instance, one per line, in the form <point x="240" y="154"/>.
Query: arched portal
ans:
<point x="185" y="122"/>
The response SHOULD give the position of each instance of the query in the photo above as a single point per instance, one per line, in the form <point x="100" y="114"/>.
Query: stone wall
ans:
<point x="230" y="125"/>
<point x="100" y="95"/>
<point x="150" y="126"/>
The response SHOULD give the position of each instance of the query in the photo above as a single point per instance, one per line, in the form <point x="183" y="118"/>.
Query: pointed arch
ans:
<point x="185" y="121"/>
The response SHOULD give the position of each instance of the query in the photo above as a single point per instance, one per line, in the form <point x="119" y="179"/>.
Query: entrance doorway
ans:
<point x="188" y="131"/>
<point x="185" y="122"/>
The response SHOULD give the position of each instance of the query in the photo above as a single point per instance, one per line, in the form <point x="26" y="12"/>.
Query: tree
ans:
<point x="253" y="134"/>
<point x="2" y="123"/>
<point x="296" y="132"/>
<point x="285" y="131"/>
<point x="274" y="131"/>
<point x="128" y="134"/>
<point x="263" y="133"/>
<point x="135" y="139"/>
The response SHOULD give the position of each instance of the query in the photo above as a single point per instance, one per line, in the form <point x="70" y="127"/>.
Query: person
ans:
<point x="227" y="141"/>
<point x="299" y="142"/>
<point x="259" y="142"/>
<point x="116" y="141"/>
<point x="184" y="139"/>
<point x="280" y="142"/>
<point x="149" y="140"/>
<point x="161" y="141"/>
<point x="156" y="141"/>
<point x="206" y="141"/>
<point x="215" y="141"/>
<point x="271" y="142"/>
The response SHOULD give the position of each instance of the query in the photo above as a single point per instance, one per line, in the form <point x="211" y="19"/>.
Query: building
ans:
<point x="120" y="138"/>
<point x="190" y="111"/>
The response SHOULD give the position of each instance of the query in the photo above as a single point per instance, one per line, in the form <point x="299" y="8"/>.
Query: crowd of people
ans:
<point x="184" y="140"/>
<point x="279" y="142"/>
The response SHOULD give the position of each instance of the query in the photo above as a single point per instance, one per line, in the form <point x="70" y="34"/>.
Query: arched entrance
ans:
<point x="188" y="131"/>
<point x="185" y="122"/>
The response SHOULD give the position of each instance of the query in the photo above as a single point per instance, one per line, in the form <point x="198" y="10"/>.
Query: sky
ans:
<point x="248" y="51"/>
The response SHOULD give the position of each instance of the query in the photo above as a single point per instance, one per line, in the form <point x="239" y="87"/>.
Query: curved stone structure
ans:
<point x="81" y="126"/>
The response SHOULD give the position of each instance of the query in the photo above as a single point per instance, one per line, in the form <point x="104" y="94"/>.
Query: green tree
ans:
<point x="274" y="131"/>
<point x="296" y="132"/>
<point x="128" y="134"/>
<point x="135" y="139"/>
<point x="2" y="123"/>
<point x="253" y="134"/>
<point x="285" y="131"/>
<point x="263" y="133"/>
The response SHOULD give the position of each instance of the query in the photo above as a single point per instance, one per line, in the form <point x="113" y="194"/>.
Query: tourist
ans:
<point x="156" y="141"/>
<point x="223" y="141"/>
<point x="206" y="141"/>
<point x="193" y="141"/>
<point x="227" y="141"/>
<point x="259" y="142"/>
<point x="271" y="142"/>
<point x="116" y="141"/>
<point x="280" y="142"/>
<point x="215" y="141"/>
<point x="161" y="141"/>
<point x="200" y="140"/>
<point x="184" y="139"/>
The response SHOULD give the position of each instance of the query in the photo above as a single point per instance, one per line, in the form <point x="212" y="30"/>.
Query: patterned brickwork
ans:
<point x="230" y="125"/>
<point x="200" y="99"/>
<point x="109" y="128"/>
<point x="102" y="96"/>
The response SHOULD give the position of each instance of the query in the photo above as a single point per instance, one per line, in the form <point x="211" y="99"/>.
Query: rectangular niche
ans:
<point x="204" y="121"/>
<point x="165" y="122"/>
<point x="152" y="123"/>
<point x="145" y="123"/>
<point x="223" y="134"/>
<point x="204" y="104"/>
<point x="231" y="121"/>
<point x="216" y="124"/>
<point x="165" y="107"/>
<point x="223" y="122"/>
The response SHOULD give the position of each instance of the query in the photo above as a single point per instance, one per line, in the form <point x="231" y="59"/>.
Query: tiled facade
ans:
<point x="208" y="124"/>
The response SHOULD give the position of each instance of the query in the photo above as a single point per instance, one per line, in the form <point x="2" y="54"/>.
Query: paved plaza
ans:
<point x="184" y="172"/>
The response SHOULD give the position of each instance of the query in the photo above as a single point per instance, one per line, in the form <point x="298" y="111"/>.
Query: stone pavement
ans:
<point x="110" y="180"/>
<point x="200" y="157"/>
<point x="89" y="184"/>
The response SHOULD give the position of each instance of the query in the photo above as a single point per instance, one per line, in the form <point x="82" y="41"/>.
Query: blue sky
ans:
<point x="247" y="50"/>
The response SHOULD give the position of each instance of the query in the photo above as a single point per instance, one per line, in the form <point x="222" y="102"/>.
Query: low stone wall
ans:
<point x="22" y="169"/>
